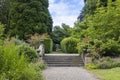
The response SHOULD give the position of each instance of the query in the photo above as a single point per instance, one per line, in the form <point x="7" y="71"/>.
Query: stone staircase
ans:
<point x="63" y="60"/>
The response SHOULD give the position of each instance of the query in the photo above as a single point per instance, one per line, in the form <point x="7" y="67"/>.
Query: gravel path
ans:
<point x="67" y="73"/>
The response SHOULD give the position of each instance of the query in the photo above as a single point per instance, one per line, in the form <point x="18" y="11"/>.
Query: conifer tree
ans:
<point x="29" y="17"/>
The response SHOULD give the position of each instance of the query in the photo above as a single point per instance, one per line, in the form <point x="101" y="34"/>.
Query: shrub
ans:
<point x="92" y="66"/>
<point x="30" y="73"/>
<point x="29" y="52"/>
<point x="34" y="40"/>
<point x="81" y="46"/>
<point x="103" y="63"/>
<point x="107" y="62"/>
<point x="69" y="45"/>
<point x="39" y="65"/>
<point x="15" y="67"/>
<point x="48" y="45"/>
<point x="111" y="48"/>
<point x="99" y="48"/>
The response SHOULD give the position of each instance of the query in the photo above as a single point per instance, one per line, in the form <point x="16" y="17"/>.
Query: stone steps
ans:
<point x="63" y="60"/>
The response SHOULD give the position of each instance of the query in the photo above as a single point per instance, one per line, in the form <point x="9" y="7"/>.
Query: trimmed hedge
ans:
<point x="69" y="45"/>
<point x="48" y="44"/>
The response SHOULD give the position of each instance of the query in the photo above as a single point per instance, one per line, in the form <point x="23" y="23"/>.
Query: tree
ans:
<point x="29" y="17"/>
<point x="4" y="13"/>
<point x="90" y="7"/>
<point x="1" y="33"/>
<point x="1" y="29"/>
<point x="60" y="32"/>
<point x="103" y="29"/>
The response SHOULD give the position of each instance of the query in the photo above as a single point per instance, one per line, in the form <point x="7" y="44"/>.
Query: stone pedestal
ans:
<point x="88" y="59"/>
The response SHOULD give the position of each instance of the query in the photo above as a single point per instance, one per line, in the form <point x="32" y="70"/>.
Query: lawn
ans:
<point x="107" y="74"/>
<point x="57" y="52"/>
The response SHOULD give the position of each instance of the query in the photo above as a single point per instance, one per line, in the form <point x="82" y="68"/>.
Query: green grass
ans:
<point x="107" y="74"/>
<point x="57" y="52"/>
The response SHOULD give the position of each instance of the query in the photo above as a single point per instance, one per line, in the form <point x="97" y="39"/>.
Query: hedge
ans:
<point x="48" y="45"/>
<point x="69" y="45"/>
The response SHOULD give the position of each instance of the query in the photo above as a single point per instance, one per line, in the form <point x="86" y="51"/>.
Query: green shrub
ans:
<point x="69" y="45"/>
<point x="81" y="46"/>
<point x="103" y="63"/>
<point x="107" y="62"/>
<point x="29" y="52"/>
<point x="48" y="45"/>
<point x="30" y="73"/>
<point x="110" y="47"/>
<point x="92" y="66"/>
<point x="39" y="65"/>
<point x="16" y="67"/>
<point x="99" y="48"/>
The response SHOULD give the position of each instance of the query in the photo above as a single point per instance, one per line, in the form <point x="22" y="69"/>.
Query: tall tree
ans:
<point x="60" y="33"/>
<point x="90" y="7"/>
<point x="1" y="33"/>
<point x="103" y="29"/>
<point x="4" y="13"/>
<point x="29" y="17"/>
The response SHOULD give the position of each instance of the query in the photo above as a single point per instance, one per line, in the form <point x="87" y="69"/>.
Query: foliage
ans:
<point x="59" y="33"/>
<point x="4" y="13"/>
<point x="81" y="46"/>
<point x="29" y="52"/>
<point x="100" y="48"/>
<point x="39" y="65"/>
<point x="29" y="17"/>
<point x="48" y="45"/>
<point x="1" y="29"/>
<point x="15" y="67"/>
<point x="90" y="7"/>
<point x="1" y="33"/>
<point x="102" y="29"/>
<point x="69" y="45"/>
<point x="34" y="40"/>
<point x="103" y="63"/>
<point x="91" y="66"/>
<point x="106" y="63"/>
<point x="111" y="47"/>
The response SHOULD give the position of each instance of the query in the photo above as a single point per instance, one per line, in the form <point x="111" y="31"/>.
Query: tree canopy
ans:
<point x="102" y="28"/>
<point x="60" y="33"/>
<point x="24" y="17"/>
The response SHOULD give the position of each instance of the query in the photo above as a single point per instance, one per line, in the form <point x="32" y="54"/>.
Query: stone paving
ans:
<point x="67" y="73"/>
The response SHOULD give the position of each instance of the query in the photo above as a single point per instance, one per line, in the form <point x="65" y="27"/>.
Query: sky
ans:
<point x="65" y="11"/>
